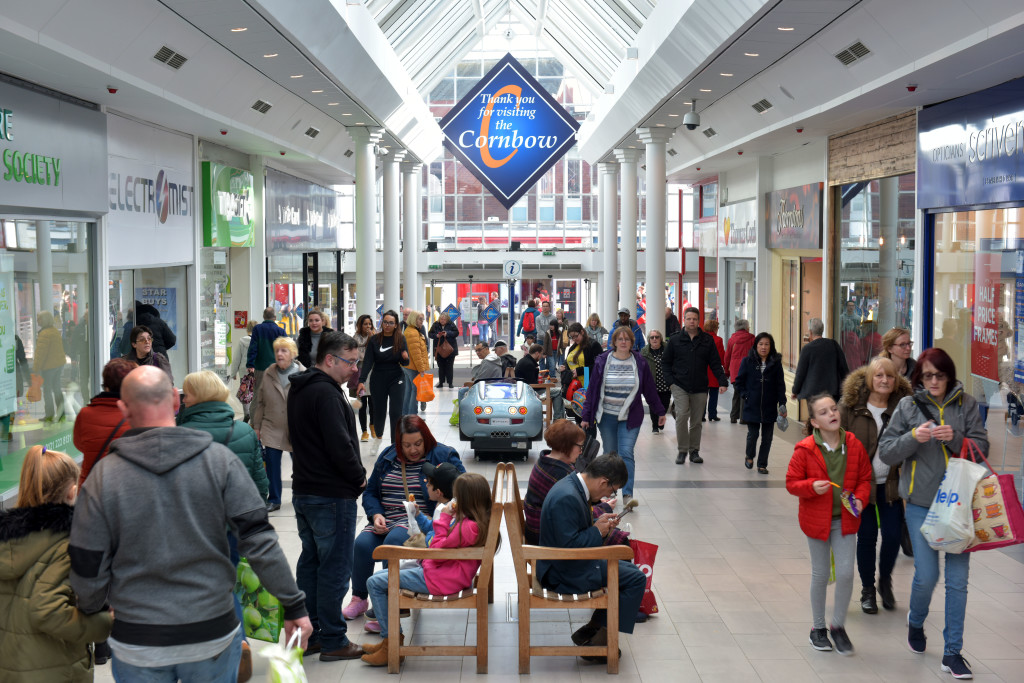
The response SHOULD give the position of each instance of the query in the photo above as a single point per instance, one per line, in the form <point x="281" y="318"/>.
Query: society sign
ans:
<point x="508" y="130"/>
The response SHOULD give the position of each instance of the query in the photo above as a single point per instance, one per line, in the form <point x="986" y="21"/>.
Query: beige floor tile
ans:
<point x="784" y="671"/>
<point x="774" y="646"/>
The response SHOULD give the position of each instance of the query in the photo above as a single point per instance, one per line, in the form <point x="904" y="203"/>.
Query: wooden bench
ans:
<point x="533" y="596"/>
<point x="477" y="597"/>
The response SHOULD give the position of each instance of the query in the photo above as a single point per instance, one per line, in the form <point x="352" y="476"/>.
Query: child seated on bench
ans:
<point x="471" y="514"/>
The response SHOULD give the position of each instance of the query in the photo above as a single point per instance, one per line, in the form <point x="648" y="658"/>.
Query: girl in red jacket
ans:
<point x="831" y="474"/>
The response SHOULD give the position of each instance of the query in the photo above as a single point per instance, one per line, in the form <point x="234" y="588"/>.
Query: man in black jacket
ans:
<point x="327" y="478"/>
<point x="688" y="357"/>
<point x="822" y="366"/>
<point x="528" y="369"/>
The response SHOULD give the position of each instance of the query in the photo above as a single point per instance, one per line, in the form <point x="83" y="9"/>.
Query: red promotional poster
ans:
<point x="241" y="319"/>
<point x="985" y="323"/>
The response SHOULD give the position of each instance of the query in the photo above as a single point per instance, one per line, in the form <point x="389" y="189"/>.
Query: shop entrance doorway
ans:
<point x="300" y="281"/>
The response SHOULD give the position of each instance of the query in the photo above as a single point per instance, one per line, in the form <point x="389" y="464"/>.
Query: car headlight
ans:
<point x="488" y="410"/>
<point x="512" y="410"/>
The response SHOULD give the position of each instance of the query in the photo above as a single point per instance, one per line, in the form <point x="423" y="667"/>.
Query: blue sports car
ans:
<point x="501" y="416"/>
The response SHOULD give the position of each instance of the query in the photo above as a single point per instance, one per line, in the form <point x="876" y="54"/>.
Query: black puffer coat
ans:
<point x="763" y="389"/>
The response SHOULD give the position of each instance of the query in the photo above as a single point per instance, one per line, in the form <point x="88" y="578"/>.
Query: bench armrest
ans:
<point x="605" y="552"/>
<point x="401" y="552"/>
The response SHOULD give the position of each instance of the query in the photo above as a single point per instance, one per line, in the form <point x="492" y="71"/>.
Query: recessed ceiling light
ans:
<point x="360" y="123"/>
<point x="726" y="75"/>
<point x="704" y="90"/>
<point x="239" y="29"/>
<point x="346" y="113"/>
<point x="272" y="54"/>
<point x="333" y="104"/>
<point x="751" y="54"/>
<point x="785" y="28"/>
<point x="632" y="146"/>
<point x="674" y="115"/>
<point x="316" y="91"/>
<point x="660" y="125"/>
<point x="297" y="76"/>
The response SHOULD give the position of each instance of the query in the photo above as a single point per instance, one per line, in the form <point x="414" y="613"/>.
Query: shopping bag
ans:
<point x="285" y="660"/>
<point x="949" y="525"/>
<point x="996" y="510"/>
<point x="246" y="387"/>
<point x="424" y="387"/>
<point x="643" y="557"/>
<point x="262" y="613"/>
<point x="34" y="393"/>
<point x="454" y="419"/>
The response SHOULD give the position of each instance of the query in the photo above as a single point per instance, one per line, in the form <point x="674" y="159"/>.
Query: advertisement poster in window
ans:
<point x="985" y="326"/>
<point x="164" y="300"/>
<point x="1018" y="357"/>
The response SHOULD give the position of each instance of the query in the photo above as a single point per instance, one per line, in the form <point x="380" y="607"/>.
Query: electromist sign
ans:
<point x="508" y="131"/>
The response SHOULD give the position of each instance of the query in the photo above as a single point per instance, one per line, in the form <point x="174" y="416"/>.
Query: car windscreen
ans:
<point x="500" y="390"/>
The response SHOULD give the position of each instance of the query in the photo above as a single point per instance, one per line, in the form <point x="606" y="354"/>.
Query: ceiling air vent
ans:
<point x="312" y="132"/>
<point x="261" y="106"/>
<point x="672" y="152"/>
<point x="166" y="55"/>
<point x="762" y="106"/>
<point x="348" y="153"/>
<point x="710" y="132"/>
<point x="855" y="52"/>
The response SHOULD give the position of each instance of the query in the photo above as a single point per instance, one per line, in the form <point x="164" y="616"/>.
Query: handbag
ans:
<point x="262" y="613"/>
<point x="285" y="664"/>
<point x="643" y="557"/>
<point x="949" y="526"/>
<point x="445" y="349"/>
<point x="246" y="387"/>
<point x="424" y="387"/>
<point x="996" y="510"/>
<point x="34" y="394"/>
<point x="353" y="382"/>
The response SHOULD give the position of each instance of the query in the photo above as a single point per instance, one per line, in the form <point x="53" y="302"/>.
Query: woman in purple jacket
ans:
<point x="620" y="377"/>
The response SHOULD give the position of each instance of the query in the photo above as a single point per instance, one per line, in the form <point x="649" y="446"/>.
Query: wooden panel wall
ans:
<point x="878" y="150"/>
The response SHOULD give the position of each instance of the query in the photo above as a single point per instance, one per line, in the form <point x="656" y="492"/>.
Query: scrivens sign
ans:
<point x="508" y="130"/>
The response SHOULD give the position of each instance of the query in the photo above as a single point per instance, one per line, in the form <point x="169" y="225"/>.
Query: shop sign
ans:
<point x="228" y="207"/>
<point x="49" y="150"/>
<point x="150" y="196"/>
<point x="970" y="150"/>
<point x="300" y="216"/>
<point x="737" y="229"/>
<point x="508" y="130"/>
<point x="794" y="217"/>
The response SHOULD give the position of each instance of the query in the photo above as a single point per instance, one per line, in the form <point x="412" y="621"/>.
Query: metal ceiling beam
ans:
<point x="542" y="10"/>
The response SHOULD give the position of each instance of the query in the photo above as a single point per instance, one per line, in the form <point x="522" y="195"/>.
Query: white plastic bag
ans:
<point x="949" y="524"/>
<point x="285" y="661"/>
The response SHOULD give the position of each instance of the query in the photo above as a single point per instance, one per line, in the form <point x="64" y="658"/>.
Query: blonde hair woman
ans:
<point x="270" y="413"/>
<point x="48" y="361"/>
<point x="419" y="360"/>
<point x="45" y="637"/>
<point x="897" y="347"/>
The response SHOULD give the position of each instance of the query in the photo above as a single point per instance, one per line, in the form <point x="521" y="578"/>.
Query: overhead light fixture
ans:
<point x="675" y="115"/>
<point x="726" y="75"/>
<point x="272" y="54"/>
<point x="297" y="76"/>
<point x="333" y="104"/>
<point x="239" y="29"/>
<point x="316" y="91"/>
<point x="785" y="28"/>
<point x="705" y="90"/>
<point x="346" y="113"/>
<point x="660" y="125"/>
<point x="751" y="54"/>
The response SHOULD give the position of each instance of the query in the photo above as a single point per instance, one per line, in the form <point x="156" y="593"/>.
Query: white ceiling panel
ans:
<point x="33" y="15"/>
<point x="81" y="25"/>
<point x="136" y="55"/>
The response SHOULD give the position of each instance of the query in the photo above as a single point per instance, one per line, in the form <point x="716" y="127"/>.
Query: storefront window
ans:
<point x="214" y="317"/>
<point x="876" y="263"/>
<point x="978" y="265"/>
<point x="44" y="330"/>
<point x="158" y="299"/>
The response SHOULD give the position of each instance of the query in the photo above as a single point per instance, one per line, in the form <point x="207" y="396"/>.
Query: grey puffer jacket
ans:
<point x="925" y="463"/>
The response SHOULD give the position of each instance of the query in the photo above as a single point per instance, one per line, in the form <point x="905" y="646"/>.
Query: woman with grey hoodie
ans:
<point x="926" y="430"/>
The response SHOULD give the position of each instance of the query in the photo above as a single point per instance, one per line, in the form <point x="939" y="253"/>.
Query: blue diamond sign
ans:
<point x="508" y="130"/>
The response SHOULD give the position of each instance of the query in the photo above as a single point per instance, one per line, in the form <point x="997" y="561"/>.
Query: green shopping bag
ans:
<point x="454" y="419"/>
<point x="263" y="615"/>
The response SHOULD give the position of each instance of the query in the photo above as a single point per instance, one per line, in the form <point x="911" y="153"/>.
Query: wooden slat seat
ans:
<point x="533" y="596"/>
<point x="474" y="598"/>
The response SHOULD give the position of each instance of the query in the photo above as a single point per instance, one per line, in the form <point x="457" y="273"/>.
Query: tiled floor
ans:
<point x="731" y="579"/>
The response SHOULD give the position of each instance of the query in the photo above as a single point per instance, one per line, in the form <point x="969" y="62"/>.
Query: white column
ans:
<point x="608" y="218"/>
<point x="364" y="138"/>
<point x="391" y="246"/>
<point x="628" y="159"/>
<point x="656" y="140"/>
<point x="412" y="225"/>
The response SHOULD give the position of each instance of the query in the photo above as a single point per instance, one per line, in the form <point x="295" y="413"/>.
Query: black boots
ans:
<point x="885" y="592"/>
<point x="867" y="600"/>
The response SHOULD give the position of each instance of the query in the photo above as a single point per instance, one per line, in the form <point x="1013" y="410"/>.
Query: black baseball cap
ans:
<point x="500" y="343"/>
<point x="442" y="477"/>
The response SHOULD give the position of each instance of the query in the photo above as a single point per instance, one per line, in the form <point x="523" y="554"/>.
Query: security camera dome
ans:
<point x="691" y="120"/>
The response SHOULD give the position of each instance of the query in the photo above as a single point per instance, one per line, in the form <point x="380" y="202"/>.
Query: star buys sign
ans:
<point x="508" y="130"/>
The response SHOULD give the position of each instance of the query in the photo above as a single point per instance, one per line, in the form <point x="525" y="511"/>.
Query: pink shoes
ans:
<point x="355" y="608"/>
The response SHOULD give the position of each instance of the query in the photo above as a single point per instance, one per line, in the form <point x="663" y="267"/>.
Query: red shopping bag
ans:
<point x="643" y="558"/>
<point x="998" y="515"/>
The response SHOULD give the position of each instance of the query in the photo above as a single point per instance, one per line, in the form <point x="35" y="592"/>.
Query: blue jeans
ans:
<point x="409" y="406"/>
<point x="619" y="438"/>
<point x="377" y="586"/>
<point x="220" y="669"/>
<point x="889" y="519"/>
<point x="926" y="575"/>
<point x="272" y="459"/>
<point x="362" y="563"/>
<point x="326" y="529"/>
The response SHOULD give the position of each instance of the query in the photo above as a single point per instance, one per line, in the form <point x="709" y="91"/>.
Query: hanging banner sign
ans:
<point x="508" y="130"/>
<point x="228" y="207"/>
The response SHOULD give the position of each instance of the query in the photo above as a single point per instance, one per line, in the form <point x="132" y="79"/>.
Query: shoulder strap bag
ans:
<point x="106" y="444"/>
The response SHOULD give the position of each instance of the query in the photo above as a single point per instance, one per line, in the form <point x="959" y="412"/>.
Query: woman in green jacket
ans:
<point x="43" y="636"/>
<point x="206" y="409"/>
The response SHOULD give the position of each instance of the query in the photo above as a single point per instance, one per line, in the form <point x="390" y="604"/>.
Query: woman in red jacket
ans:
<point x="831" y="474"/>
<point x="100" y="422"/>
<point x="711" y="327"/>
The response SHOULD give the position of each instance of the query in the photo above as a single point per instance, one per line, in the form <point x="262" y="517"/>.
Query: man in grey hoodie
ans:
<point x="149" y="540"/>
